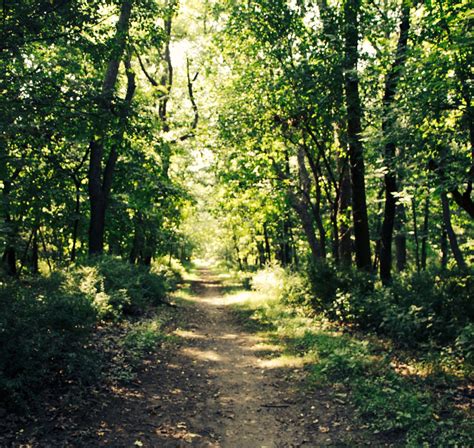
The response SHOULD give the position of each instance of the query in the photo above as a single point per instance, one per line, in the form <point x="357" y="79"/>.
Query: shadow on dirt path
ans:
<point x="220" y="389"/>
<point x="217" y="387"/>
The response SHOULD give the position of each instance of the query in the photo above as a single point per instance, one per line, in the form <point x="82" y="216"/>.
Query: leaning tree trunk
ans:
<point x="307" y="223"/>
<point x="100" y="183"/>
<point x="390" y="180"/>
<point x="453" y="241"/>
<point x="356" y="152"/>
<point x="308" y="214"/>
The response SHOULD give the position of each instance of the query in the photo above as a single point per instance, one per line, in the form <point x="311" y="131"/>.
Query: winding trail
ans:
<point x="220" y="388"/>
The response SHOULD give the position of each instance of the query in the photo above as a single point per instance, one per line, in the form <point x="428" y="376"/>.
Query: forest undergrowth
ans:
<point x="80" y="327"/>
<point x="415" y="394"/>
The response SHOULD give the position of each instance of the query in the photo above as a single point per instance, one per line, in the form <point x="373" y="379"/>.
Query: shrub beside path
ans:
<point x="219" y="385"/>
<point x="221" y="389"/>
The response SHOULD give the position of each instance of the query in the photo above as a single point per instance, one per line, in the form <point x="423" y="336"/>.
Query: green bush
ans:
<point x="432" y="306"/>
<point x="465" y="343"/>
<point x="46" y="323"/>
<point x="44" y="332"/>
<point x="117" y="288"/>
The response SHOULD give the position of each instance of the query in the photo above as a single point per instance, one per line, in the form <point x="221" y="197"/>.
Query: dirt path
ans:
<point x="219" y="387"/>
<point x="251" y="403"/>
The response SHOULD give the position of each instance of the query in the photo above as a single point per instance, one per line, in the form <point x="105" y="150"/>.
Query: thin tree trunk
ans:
<point x="335" y="233"/>
<point x="390" y="180"/>
<point x="400" y="239"/>
<point x="424" y="236"/>
<point x="35" y="253"/>
<point x="318" y="219"/>
<point x="286" y="251"/>
<point x="345" y="242"/>
<point x="444" y="249"/>
<point x="45" y="250"/>
<point x="378" y="231"/>
<point x="267" y="242"/>
<point x="75" y="228"/>
<point x="9" y="254"/>
<point x="453" y="241"/>
<point x="356" y="152"/>
<point x="415" y="232"/>
<point x="307" y="224"/>
<point x="305" y="182"/>
<point x="302" y="205"/>
<point x="260" y="259"/>
<point x="237" y="252"/>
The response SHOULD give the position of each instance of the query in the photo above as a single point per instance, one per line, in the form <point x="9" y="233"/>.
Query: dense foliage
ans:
<point x="397" y="393"/>
<point x="332" y="138"/>
<point x="346" y="154"/>
<point x="47" y="324"/>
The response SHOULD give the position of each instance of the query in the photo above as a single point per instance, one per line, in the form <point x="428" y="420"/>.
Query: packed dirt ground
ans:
<point x="219" y="385"/>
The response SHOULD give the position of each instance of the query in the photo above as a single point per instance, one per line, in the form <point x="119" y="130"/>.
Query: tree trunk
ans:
<point x="35" y="253"/>
<point x="237" y="251"/>
<point x="301" y="203"/>
<point x="400" y="239"/>
<point x="260" y="260"/>
<point x="317" y="213"/>
<point x="9" y="254"/>
<point x="415" y="233"/>
<point x="75" y="228"/>
<point x="391" y="86"/>
<point x="453" y="241"/>
<point x="356" y="153"/>
<point x="307" y="224"/>
<point x="286" y="246"/>
<point x="9" y="261"/>
<point x="444" y="249"/>
<point x="345" y="242"/>
<point x="424" y="236"/>
<point x="99" y="188"/>
<point x="267" y="242"/>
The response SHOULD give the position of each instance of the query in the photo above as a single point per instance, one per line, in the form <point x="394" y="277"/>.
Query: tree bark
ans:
<point x="444" y="249"/>
<point x="35" y="253"/>
<point x="75" y="227"/>
<point x="400" y="239"/>
<point x="267" y="242"/>
<point x="305" y="186"/>
<point x="301" y="203"/>
<point x="415" y="233"/>
<point x="424" y="236"/>
<point x="345" y="242"/>
<point x="390" y="180"/>
<point x="9" y="253"/>
<point x="99" y="188"/>
<point x="453" y="241"/>
<point x="356" y="153"/>
<point x="307" y="224"/>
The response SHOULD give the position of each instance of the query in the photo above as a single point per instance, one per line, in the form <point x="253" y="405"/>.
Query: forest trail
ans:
<point x="221" y="389"/>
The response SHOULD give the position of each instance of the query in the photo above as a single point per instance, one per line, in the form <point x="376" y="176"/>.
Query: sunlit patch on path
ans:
<point x="221" y="385"/>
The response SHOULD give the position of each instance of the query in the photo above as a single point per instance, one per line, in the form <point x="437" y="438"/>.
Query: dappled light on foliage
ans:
<point x="236" y="223"/>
